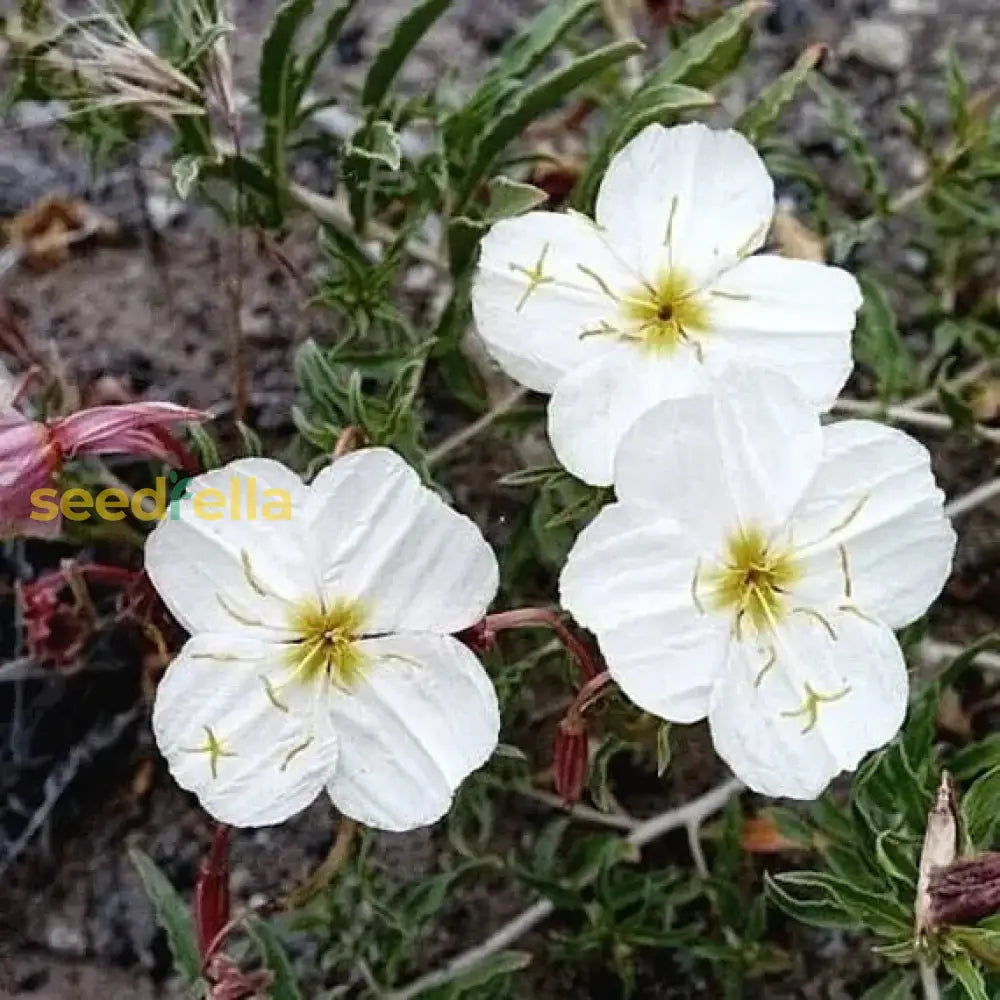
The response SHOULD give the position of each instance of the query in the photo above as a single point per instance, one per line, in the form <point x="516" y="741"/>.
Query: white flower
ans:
<point x="658" y="295"/>
<point x="322" y="652"/>
<point x="752" y="571"/>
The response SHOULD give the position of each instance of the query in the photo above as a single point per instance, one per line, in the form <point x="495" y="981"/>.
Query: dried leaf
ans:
<point x="940" y="848"/>
<point x="762" y="836"/>
<point x="44" y="233"/>
<point x="795" y="239"/>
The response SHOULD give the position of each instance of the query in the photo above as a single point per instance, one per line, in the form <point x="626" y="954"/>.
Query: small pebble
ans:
<point x="882" y="45"/>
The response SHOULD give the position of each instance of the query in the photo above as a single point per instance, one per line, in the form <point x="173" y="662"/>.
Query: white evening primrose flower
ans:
<point x="322" y="652"/>
<point x="752" y="571"/>
<point x="657" y="294"/>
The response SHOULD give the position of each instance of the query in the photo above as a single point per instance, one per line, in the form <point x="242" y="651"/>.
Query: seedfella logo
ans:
<point x="243" y="502"/>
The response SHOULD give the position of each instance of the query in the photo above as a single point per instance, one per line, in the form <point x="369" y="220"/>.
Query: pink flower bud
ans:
<point x="570" y="758"/>
<point x="965" y="891"/>
<point x="32" y="453"/>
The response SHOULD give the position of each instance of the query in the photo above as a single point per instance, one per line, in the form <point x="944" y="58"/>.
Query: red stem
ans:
<point x="528" y="617"/>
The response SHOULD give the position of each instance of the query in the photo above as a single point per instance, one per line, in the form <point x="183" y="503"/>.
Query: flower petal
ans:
<point x="225" y="573"/>
<point x="628" y="578"/>
<point x="687" y="196"/>
<point x="875" y="517"/>
<point x="381" y="537"/>
<point x="741" y="454"/>
<point x="544" y="279"/>
<point x="253" y="747"/>
<point x="794" y="316"/>
<point x="784" y="739"/>
<point x="593" y="406"/>
<point x="419" y="720"/>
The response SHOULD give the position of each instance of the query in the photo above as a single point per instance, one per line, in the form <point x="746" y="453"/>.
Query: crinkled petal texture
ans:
<point x="628" y="579"/>
<point x="694" y="196"/>
<point x="793" y="316"/>
<point x="545" y="279"/>
<point x="420" y="719"/>
<point x="270" y="701"/>
<point x="819" y="707"/>
<point x="381" y="537"/>
<point x="741" y="453"/>
<point x="871" y="525"/>
<point x="251" y="743"/>
<point x="217" y="573"/>
<point x="594" y="405"/>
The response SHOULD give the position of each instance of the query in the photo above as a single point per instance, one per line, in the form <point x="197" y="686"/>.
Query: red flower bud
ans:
<point x="211" y="895"/>
<point x="570" y="758"/>
<point x="230" y="983"/>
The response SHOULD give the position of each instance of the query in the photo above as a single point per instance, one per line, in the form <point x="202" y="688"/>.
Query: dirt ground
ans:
<point x="150" y="310"/>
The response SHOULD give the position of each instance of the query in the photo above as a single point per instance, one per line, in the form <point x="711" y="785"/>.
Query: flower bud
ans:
<point x="965" y="891"/>
<point x="570" y="758"/>
<point x="211" y="894"/>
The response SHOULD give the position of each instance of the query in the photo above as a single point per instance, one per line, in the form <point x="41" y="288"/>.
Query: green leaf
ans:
<point x="657" y="104"/>
<point x="823" y="910"/>
<point x="378" y="142"/>
<point x="979" y="810"/>
<point x="389" y="61"/>
<point x="172" y="914"/>
<point x="703" y="59"/>
<point x="878" y="344"/>
<point x="897" y="985"/>
<point x="276" y="86"/>
<point x="274" y="957"/>
<point x="184" y="172"/>
<point x="663" y="751"/>
<point x="509" y="198"/>
<point x="956" y="409"/>
<point x="760" y="116"/>
<point x="962" y="967"/>
<point x="534" y="101"/>
<point x="326" y="39"/>
<point x="470" y="983"/>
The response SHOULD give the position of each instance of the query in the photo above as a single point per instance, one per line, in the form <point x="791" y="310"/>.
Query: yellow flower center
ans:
<point x="667" y="314"/>
<point x="327" y="643"/>
<point x="753" y="579"/>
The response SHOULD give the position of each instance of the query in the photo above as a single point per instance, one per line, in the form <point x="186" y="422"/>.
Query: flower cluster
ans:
<point x="755" y="562"/>
<point x="750" y="572"/>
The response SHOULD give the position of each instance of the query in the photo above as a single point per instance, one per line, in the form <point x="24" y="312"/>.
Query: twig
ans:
<point x="340" y="851"/>
<point x="693" y="812"/>
<point x="460" y="438"/>
<point x="906" y="414"/>
<point x="928" y="981"/>
<point x="974" y="498"/>
<point x="617" y="821"/>
<point x="960" y="381"/>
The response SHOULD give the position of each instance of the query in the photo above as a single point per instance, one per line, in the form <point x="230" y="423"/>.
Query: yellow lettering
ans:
<point x="209" y="504"/>
<point x="156" y="510"/>
<point x="75" y="504"/>
<point x="277" y="505"/>
<point x="111" y="504"/>
<point x="44" y="503"/>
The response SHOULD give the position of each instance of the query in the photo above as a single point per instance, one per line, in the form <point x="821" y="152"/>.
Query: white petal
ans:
<point x="762" y="730"/>
<point x="211" y="573"/>
<point x="381" y="537"/>
<point x="707" y="189"/>
<point x="593" y="406"/>
<point x="628" y="578"/>
<point x="897" y="542"/>
<point x="794" y="316"/>
<point x="533" y="329"/>
<point x="422" y="717"/>
<point x="277" y="749"/>
<point x="739" y="455"/>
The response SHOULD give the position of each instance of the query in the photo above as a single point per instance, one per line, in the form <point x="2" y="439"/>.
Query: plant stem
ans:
<point x="529" y="617"/>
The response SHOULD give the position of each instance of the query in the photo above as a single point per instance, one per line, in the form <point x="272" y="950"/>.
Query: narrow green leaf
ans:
<point x="274" y="957"/>
<point x="535" y="101"/>
<point x="964" y="969"/>
<point x="471" y="983"/>
<point x="389" y="61"/>
<point x="276" y="86"/>
<point x="172" y="914"/>
<point x="658" y="104"/>
<point x="760" y="116"/>
<point x="979" y="810"/>
<point x="326" y="39"/>
<point x="878" y="344"/>
<point x="663" y="751"/>
<point x="956" y="409"/>
<point x="706" y="57"/>
<point x="525" y="51"/>
<point x="819" y="912"/>
<point x="897" y="985"/>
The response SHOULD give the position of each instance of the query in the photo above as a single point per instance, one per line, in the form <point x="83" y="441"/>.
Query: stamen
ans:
<point x="853" y="609"/>
<point x="243" y="619"/>
<point x="814" y="614"/>
<point x="771" y="660"/>
<point x="845" y="569"/>
<point x="694" y="586"/>
<point x="599" y="281"/>
<point x="248" y="573"/>
<point x="294" y="752"/>
<point x="214" y="748"/>
<point x="809" y="709"/>
<point x="536" y="276"/>
<point x="272" y="695"/>
<point x="852" y="514"/>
